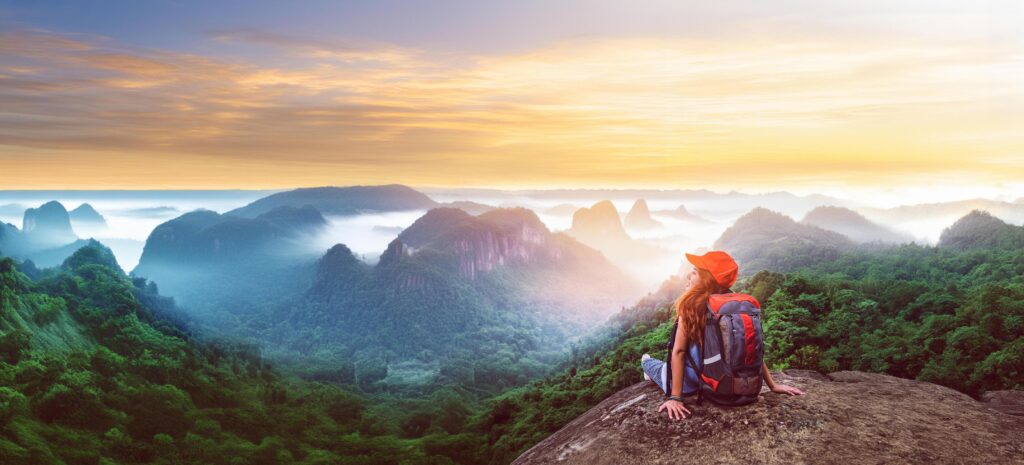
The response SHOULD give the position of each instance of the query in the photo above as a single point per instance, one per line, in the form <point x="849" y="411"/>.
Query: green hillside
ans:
<point x="90" y="373"/>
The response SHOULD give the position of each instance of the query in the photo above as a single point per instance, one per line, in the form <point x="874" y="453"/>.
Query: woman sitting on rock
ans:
<point x="724" y="361"/>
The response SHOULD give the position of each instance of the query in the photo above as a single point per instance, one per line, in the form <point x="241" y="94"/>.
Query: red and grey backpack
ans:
<point x="733" y="350"/>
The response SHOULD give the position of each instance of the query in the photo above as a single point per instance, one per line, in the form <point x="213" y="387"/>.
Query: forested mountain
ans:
<point x="91" y="373"/>
<point x="221" y="266"/>
<point x="484" y="300"/>
<point x="981" y="229"/>
<point x="852" y="225"/>
<point x="341" y="200"/>
<point x="450" y="287"/>
<point x="763" y="239"/>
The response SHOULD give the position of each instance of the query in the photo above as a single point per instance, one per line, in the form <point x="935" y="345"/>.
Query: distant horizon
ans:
<point x="880" y="199"/>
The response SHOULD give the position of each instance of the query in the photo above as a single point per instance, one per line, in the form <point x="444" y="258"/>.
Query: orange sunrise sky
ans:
<point x="802" y="96"/>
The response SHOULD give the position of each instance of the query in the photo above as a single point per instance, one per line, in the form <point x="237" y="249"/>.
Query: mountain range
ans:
<point x="221" y="267"/>
<point x="450" y="273"/>
<point x="600" y="227"/>
<point x="1012" y="212"/>
<point x="341" y="200"/>
<point x="47" y="238"/>
<point x="717" y="204"/>
<point x="473" y="337"/>
<point x="764" y="239"/>
<point x="853" y="225"/>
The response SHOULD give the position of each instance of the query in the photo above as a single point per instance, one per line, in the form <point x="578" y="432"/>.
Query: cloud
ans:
<point x="594" y="111"/>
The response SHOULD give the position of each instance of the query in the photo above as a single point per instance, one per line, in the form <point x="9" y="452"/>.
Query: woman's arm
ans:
<point x="678" y="352"/>
<point x="767" y="376"/>
<point x="676" y="409"/>
<point x="780" y="388"/>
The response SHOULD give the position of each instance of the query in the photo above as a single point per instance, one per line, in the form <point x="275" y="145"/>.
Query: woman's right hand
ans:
<point x="675" y="409"/>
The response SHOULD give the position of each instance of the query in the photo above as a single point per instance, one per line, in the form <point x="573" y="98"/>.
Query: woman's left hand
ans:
<point x="783" y="389"/>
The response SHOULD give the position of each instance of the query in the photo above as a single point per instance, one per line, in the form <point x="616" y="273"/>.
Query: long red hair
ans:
<point x="692" y="306"/>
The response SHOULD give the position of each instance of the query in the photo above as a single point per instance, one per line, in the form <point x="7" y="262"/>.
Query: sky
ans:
<point x="921" y="100"/>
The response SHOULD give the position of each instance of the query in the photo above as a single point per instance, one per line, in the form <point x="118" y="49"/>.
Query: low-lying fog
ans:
<point x="130" y="221"/>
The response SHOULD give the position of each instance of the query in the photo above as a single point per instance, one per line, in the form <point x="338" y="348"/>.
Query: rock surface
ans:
<point x="1011" y="402"/>
<point x="846" y="417"/>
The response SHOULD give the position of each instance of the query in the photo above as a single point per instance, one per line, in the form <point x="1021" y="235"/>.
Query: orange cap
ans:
<point x="719" y="264"/>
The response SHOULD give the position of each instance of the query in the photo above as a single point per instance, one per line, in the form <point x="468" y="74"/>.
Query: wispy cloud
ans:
<point x="593" y="111"/>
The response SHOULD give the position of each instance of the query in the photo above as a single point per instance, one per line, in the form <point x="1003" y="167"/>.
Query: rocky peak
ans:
<point x="394" y="253"/>
<point x="435" y="223"/>
<point x="683" y="214"/>
<point x="85" y="213"/>
<point x="845" y="417"/>
<point x="338" y="258"/>
<point x="338" y="271"/>
<point x="481" y="243"/>
<point x="519" y="219"/>
<point x="598" y="222"/>
<point x="639" y="217"/>
<point x="504" y="236"/>
<point x="49" y="223"/>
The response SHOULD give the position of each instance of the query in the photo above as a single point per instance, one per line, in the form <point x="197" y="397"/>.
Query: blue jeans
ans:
<point x="658" y="372"/>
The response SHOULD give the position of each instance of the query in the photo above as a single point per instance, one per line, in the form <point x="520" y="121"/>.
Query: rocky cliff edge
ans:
<point x="846" y="418"/>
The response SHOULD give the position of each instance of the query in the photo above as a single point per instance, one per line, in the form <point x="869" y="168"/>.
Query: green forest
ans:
<point x="94" y="371"/>
<point x="90" y="374"/>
